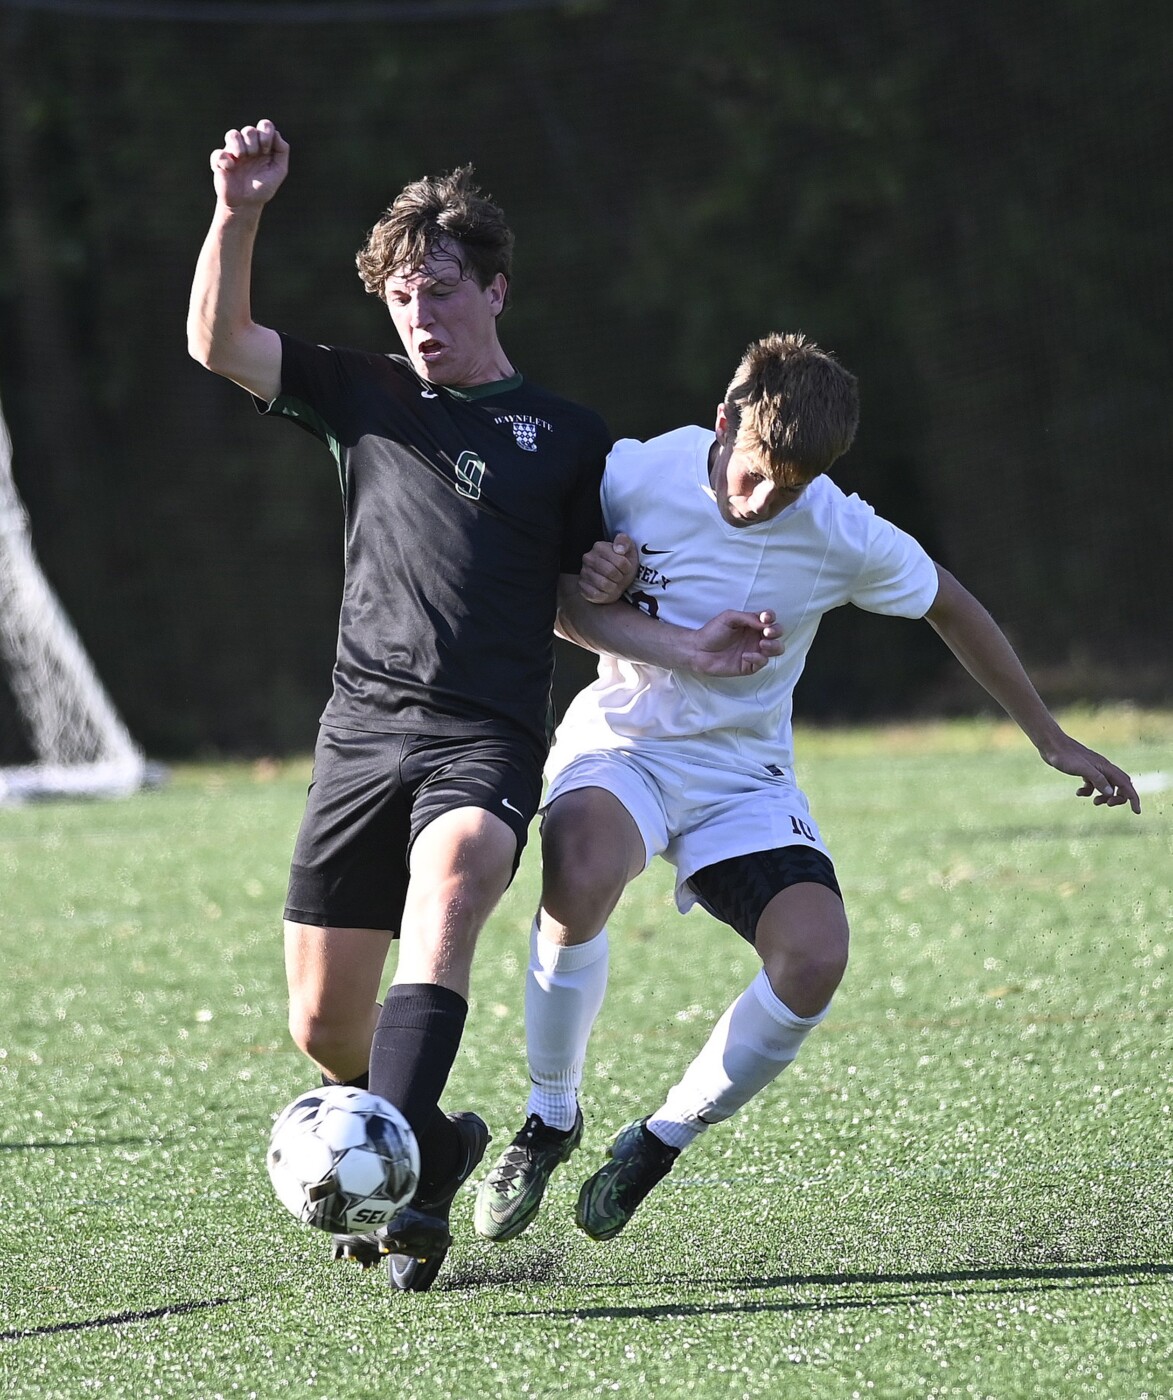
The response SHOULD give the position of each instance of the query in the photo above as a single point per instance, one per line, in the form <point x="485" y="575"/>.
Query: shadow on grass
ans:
<point x="81" y="1142"/>
<point x="908" y="1288"/>
<point x="114" y="1319"/>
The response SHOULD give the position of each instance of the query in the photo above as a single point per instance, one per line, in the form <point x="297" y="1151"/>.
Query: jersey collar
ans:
<point x="482" y="391"/>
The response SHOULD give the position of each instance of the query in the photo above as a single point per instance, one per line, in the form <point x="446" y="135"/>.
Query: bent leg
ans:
<point x="802" y="938"/>
<point x="591" y="849"/>
<point x="333" y="976"/>
<point x="461" y="864"/>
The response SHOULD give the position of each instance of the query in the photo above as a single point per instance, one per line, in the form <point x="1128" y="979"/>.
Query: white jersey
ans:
<point x="825" y="550"/>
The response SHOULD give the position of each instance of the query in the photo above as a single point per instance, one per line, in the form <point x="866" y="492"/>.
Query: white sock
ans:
<point x="750" y="1046"/>
<point x="564" y="989"/>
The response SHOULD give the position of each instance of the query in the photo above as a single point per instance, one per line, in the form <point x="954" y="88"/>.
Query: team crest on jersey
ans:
<point x="526" y="435"/>
<point x="525" y="429"/>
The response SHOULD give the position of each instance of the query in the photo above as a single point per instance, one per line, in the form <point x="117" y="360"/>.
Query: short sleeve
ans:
<point x="584" y="513"/>
<point x="315" y="383"/>
<point x="898" y="578"/>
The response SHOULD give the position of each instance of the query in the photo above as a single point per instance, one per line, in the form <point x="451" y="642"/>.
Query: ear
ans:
<point x="497" y="290"/>
<point x="722" y="428"/>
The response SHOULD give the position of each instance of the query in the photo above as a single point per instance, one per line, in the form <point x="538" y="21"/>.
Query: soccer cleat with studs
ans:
<point x="418" y="1238"/>
<point x="509" y="1197"/>
<point x="609" y="1199"/>
<point x="365" y="1250"/>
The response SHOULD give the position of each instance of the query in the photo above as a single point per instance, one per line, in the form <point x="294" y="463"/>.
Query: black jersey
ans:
<point x="462" y="507"/>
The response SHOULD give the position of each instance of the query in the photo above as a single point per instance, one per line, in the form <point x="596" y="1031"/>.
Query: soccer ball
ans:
<point x="343" y="1159"/>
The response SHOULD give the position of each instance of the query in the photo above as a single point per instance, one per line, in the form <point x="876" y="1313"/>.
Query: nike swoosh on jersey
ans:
<point x="647" y="549"/>
<point x="505" y="802"/>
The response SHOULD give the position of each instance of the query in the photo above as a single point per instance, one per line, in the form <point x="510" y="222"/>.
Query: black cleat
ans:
<point x="509" y="1197"/>
<point x="366" y="1250"/>
<point x="417" y="1239"/>
<point x="608" y="1199"/>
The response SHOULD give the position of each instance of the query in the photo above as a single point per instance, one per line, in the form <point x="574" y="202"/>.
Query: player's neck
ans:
<point x="491" y="368"/>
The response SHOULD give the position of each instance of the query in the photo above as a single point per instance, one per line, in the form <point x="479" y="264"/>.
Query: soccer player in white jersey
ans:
<point x="651" y="761"/>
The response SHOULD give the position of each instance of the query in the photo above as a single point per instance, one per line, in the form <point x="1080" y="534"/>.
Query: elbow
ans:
<point x="944" y="605"/>
<point x="218" y="343"/>
<point x="564" y="628"/>
<point x="199" y="346"/>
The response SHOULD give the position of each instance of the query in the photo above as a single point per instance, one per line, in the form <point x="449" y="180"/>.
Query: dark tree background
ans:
<point x="970" y="204"/>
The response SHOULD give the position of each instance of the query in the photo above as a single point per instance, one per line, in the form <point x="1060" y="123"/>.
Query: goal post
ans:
<point x="69" y="727"/>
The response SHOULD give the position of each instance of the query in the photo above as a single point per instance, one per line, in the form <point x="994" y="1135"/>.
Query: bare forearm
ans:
<point x="728" y="645"/>
<point x="221" y="333"/>
<point x="977" y="641"/>
<point x="621" y="630"/>
<point x="221" y="292"/>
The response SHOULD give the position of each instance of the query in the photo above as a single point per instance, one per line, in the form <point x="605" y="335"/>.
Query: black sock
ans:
<point x="412" y="1053"/>
<point x="361" y="1081"/>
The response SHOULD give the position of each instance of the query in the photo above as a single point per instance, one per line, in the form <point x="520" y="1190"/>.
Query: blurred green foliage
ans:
<point x="969" y="204"/>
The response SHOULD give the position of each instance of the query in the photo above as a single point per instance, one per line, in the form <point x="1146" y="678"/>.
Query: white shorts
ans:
<point x="689" y="810"/>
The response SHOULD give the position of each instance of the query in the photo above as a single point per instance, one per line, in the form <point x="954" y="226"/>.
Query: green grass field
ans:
<point x="964" y="1187"/>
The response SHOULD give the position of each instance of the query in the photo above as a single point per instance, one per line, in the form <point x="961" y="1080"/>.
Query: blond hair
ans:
<point x="793" y="407"/>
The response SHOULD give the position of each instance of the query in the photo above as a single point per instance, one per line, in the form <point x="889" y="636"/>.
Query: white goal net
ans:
<point x="59" y="722"/>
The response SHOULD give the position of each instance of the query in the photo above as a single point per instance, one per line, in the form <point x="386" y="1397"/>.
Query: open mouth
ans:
<point x="429" y="349"/>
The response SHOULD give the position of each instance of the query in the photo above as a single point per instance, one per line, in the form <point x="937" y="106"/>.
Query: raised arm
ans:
<point x="977" y="641"/>
<point x="247" y="172"/>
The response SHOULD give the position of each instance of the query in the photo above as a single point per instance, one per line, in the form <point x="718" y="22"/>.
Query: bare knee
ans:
<point x="312" y="1033"/>
<point x="461" y="865"/>
<point x="333" y="979"/>
<point x="591" y="848"/>
<point x="803" y="942"/>
<point x="579" y="873"/>
<point x="806" y="980"/>
<point x="337" y="1039"/>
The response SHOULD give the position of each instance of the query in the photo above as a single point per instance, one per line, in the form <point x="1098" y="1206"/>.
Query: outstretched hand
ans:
<point x="251" y="166"/>
<point x="608" y="569"/>
<point x="1111" y="785"/>
<point x="736" y="644"/>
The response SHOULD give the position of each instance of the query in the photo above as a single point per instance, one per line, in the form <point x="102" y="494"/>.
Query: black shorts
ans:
<point x="738" y="889"/>
<point x="371" y="795"/>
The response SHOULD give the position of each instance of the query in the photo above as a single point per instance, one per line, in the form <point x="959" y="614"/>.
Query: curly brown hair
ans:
<point x="793" y="407"/>
<point x="438" y="209"/>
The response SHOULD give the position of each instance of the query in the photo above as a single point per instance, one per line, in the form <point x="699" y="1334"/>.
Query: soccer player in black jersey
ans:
<point x="470" y="497"/>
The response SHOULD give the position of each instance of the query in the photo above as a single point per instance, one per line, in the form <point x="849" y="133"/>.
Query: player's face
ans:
<point x="745" y="495"/>
<point x="447" y="321"/>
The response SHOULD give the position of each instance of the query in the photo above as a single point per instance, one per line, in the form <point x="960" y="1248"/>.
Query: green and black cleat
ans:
<point x="609" y="1199"/>
<point x="509" y="1197"/>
